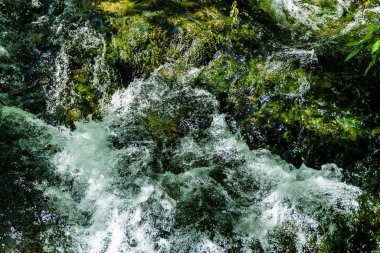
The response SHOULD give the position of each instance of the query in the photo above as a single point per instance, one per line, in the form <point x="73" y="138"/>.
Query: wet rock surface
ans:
<point x="151" y="77"/>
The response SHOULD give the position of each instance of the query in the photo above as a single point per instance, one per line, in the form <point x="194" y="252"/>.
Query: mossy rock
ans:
<point x="118" y="7"/>
<point x="82" y="97"/>
<point x="220" y="76"/>
<point x="148" y="35"/>
<point x="27" y="145"/>
<point x="288" y="109"/>
<point x="162" y="128"/>
<point x="202" y="206"/>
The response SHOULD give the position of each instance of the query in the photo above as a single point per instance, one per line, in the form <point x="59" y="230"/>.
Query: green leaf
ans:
<point x="370" y="65"/>
<point x="376" y="46"/>
<point x="367" y="37"/>
<point x="372" y="28"/>
<point x="352" y="54"/>
<point x="353" y="43"/>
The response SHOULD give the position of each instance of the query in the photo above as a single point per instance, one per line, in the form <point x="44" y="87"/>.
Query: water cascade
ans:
<point x="211" y="195"/>
<point x="134" y="129"/>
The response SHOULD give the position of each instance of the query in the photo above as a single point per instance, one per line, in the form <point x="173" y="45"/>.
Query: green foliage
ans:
<point x="370" y="43"/>
<point x="234" y="13"/>
<point x="370" y="3"/>
<point x="367" y="236"/>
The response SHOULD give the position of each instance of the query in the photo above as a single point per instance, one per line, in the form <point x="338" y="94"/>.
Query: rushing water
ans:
<point x="212" y="195"/>
<point x="162" y="171"/>
<point x="313" y="14"/>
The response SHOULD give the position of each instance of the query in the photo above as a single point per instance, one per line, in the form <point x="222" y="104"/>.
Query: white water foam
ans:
<point x="115" y="203"/>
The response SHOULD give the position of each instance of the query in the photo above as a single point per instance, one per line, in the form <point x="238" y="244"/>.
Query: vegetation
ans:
<point x="370" y="43"/>
<point x="279" y="78"/>
<point x="145" y="40"/>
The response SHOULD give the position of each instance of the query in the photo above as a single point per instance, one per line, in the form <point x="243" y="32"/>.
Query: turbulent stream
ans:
<point x="118" y="184"/>
<point x="222" y="196"/>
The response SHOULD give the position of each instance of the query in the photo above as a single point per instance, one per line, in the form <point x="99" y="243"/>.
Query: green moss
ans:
<point x="82" y="96"/>
<point x="310" y="117"/>
<point x="221" y="75"/>
<point x="118" y="7"/>
<point x="162" y="128"/>
<point x="282" y="79"/>
<point x="326" y="4"/>
<point x="144" y="40"/>
<point x="286" y="108"/>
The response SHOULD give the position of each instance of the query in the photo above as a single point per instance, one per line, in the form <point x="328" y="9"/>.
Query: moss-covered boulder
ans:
<point x="279" y="103"/>
<point x="148" y="34"/>
<point x="27" y="145"/>
<point x="160" y="109"/>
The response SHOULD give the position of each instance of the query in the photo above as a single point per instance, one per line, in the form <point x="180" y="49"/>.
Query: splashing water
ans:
<point x="112" y="217"/>
<point x="312" y="14"/>
<point x="79" y="39"/>
<point x="211" y="194"/>
<point x="162" y="171"/>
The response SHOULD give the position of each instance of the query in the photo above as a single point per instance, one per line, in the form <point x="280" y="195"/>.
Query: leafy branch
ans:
<point x="370" y="42"/>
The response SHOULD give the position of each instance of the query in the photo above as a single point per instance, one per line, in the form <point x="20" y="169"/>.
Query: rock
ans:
<point x="3" y="53"/>
<point x="27" y="144"/>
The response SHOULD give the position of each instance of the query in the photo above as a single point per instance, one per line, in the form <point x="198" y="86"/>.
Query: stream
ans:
<point x="211" y="143"/>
